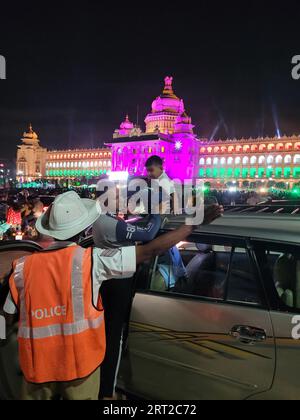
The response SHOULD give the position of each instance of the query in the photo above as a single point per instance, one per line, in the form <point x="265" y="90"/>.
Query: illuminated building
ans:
<point x="78" y="163"/>
<point x="35" y="162"/>
<point x="169" y="133"/>
<point x="6" y="173"/>
<point x="249" y="160"/>
<point x="31" y="157"/>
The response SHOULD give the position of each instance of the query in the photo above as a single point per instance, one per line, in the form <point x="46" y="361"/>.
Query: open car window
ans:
<point x="217" y="271"/>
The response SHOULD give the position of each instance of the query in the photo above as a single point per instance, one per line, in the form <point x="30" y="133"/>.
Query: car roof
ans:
<point x="283" y="228"/>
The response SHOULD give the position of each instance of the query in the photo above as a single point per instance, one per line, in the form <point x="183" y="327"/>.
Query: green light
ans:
<point x="230" y="172"/>
<point x="245" y="173"/>
<point x="287" y="172"/>
<point x="201" y="173"/>
<point x="237" y="173"/>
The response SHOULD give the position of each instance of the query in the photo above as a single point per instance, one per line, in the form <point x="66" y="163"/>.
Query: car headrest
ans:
<point x="204" y="248"/>
<point x="284" y="272"/>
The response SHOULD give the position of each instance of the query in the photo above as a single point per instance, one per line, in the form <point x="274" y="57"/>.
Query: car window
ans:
<point x="219" y="272"/>
<point x="282" y="267"/>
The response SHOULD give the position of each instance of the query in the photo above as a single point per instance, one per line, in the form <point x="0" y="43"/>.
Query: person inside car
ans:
<point x="56" y="292"/>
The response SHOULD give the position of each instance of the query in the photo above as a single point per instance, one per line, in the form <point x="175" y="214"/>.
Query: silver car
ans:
<point x="229" y="327"/>
<point x="222" y="324"/>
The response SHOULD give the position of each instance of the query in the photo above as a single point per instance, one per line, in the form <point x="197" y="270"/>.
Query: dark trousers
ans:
<point x="117" y="299"/>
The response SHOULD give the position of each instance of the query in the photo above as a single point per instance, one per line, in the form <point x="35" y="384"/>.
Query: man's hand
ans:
<point x="212" y="213"/>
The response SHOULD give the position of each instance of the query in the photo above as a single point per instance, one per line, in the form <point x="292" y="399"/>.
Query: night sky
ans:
<point x="74" y="71"/>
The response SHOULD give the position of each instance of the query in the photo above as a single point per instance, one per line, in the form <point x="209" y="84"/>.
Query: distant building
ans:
<point x="6" y="172"/>
<point x="77" y="163"/>
<point x="35" y="162"/>
<point x="31" y="157"/>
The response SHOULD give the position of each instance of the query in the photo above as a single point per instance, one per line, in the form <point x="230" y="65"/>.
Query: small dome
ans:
<point x="127" y="124"/>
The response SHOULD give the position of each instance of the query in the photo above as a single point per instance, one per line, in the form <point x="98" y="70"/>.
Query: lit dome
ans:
<point x="30" y="137"/>
<point x="126" y="125"/>
<point x="30" y="134"/>
<point x="168" y="101"/>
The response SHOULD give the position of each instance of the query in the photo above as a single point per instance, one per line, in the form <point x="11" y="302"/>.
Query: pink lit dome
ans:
<point x="127" y="124"/>
<point x="126" y="127"/>
<point x="168" y="101"/>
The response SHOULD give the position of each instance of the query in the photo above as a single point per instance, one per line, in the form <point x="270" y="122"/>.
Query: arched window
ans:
<point x="216" y="161"/>
<point x="253" y="160"/>
<point x="246" y="148"/>
<point x="297" y="159"/>
<point x="262" y="147"/>
<point x="208" y="161"/>
<point x="238" y="149"/>
<point x="223" y="161"/>
<point x="230" y="161"/>
<point x="254" y="148"/>
<point x="230" y="149"/>
<point x="261" y="160"/>
<point x="245" y="160"/>
<point x="270" y="160"/>
<point x="288" y="159"/>
<point x="202" y="161"/>
<point x="289" y="146"/>
<point x="271" y="147"/>
<point x="279" y="159"/>
<point x="279" y="147"/>
<point x="237" y="161"/>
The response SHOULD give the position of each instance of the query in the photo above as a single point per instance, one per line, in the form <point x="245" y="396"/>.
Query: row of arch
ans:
<point x="80" y="155"/>
<point x="254" y="160"/>
<point x="264" y="147"/>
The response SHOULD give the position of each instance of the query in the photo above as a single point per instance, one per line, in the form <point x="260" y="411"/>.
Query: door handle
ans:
<point x="248" y="335"/>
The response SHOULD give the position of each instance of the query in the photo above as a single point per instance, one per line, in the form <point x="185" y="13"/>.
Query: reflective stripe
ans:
<point x="77" y="284"/>
<point x="60" y="329"/>
<point x="19" y="282"/>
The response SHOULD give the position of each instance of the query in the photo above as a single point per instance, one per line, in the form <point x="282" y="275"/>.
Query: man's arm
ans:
<point x="162" y="244"/>
<point x="133" y="233"/>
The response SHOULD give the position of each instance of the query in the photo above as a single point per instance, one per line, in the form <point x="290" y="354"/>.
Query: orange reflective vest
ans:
<point x="61" y="334"/>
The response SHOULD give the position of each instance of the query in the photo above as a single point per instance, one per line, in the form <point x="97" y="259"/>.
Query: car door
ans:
<point x="280" y="266"/>
<point x="10" y="374"/>
<point x="209" y="339"/>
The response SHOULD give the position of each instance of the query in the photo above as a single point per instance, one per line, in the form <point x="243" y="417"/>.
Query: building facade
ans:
<point x="77" y="163"/>
<point x="35" y="162"/>
<point x="169" y="133"/>
<point x="31" y="157"/>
